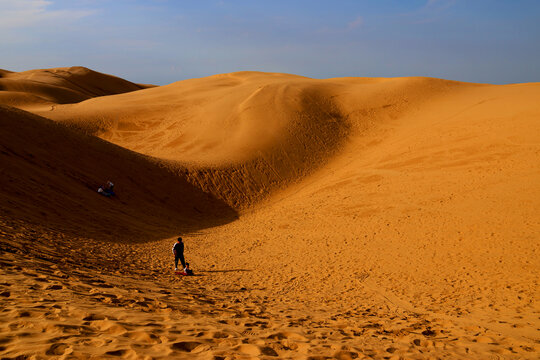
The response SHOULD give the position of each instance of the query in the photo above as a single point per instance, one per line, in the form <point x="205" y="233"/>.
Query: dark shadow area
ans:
<point x="49" y="177"/>
<point x="226" y="271"/>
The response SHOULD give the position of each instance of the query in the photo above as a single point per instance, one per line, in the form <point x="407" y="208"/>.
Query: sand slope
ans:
<point x="50" y="175"/>
<point x="380" y="218"/>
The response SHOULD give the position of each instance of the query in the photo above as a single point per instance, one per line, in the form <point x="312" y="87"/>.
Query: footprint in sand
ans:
<point x="126" y="353"/>
<point x="59" y="349"/>
<point x="288" y="335"/>
<point x="186" y="346"/>
<point x="54" y="287"/>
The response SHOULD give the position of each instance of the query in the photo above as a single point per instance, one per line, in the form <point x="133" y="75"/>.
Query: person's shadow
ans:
<point x="209" y="272"/>
<point x="226" y="270"/>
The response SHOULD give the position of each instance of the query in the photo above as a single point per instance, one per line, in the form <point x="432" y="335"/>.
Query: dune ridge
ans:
<point x="340" y="218"/>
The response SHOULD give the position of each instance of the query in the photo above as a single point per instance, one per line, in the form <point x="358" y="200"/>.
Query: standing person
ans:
<point x="178" y="251"/>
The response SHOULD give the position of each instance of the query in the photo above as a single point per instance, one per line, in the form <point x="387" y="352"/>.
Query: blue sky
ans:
<point x="162" y="41"/>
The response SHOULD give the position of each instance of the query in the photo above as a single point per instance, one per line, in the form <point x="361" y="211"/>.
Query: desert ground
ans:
<point x="348" y="218"/>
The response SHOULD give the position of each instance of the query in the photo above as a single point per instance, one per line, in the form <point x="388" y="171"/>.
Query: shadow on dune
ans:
<point x="50" y="176"/>
<point x="204" y="273"/>
<point x="315" y="130"/>
<point x="226" y="271"/>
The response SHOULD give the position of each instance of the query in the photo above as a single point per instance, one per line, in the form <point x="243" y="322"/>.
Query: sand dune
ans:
<point x="59" y="86"/>
<point x="247" y="134"/>
<point x="340" y="218"/>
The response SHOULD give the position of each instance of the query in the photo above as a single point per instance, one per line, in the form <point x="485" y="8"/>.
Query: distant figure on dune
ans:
<point x="178" y="251"/>
<point x="107" y="190"/>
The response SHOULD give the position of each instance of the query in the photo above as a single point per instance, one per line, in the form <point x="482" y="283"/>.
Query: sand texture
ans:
<point x="349" y="218"/>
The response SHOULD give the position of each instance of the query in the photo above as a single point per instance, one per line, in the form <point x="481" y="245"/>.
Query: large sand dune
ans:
<point x="246" y="134"/>
<point x="380" y="218"/>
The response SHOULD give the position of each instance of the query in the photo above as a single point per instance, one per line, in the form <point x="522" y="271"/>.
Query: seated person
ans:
<point x="107" y="190"/>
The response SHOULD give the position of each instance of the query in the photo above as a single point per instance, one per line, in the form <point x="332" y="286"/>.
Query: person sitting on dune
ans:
<point x="107" y="190"/>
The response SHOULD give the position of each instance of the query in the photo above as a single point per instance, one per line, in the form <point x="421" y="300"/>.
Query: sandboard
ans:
<point x="183" y="273"/>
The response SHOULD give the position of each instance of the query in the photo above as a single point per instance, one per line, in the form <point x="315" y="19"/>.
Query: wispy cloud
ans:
<point x="359" y="21"/>
<point x="343" y="29"/>
<point x="22" y="13"/>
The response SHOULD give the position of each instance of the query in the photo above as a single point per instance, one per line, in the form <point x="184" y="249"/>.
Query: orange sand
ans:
<point x="340" y="218"/>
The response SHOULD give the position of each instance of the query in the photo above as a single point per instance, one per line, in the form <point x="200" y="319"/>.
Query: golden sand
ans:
<point x="341" y="218"/>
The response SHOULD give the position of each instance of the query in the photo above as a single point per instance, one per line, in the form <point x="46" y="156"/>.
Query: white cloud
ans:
<point x="22" y="13"/>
